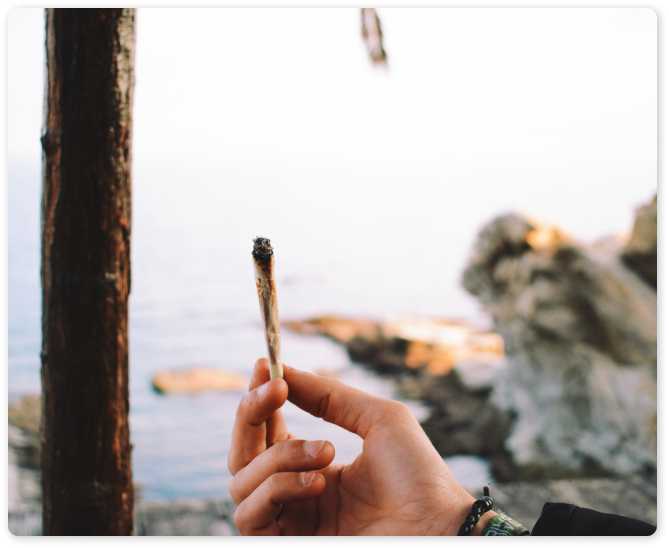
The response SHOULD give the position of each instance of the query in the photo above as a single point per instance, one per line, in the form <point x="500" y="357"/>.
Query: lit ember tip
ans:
<point x="262" y="249"/>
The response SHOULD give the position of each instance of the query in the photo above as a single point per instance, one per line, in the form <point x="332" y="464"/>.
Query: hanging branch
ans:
<point x="372" y="36"/>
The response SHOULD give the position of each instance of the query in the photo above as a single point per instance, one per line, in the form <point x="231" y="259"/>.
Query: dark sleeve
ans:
<point x="560" y="519"/>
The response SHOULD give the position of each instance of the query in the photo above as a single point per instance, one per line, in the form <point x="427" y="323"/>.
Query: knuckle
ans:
<point x="397" y="410"/>
<point x="286" y="455"/>
<point x="324" y="405"/>
<point x="282" y="453"/>
<point x="300" y="449"/>
<point x="297" y="450"/>
<point x="278" y="484"/>
<point x="274" y="483"/>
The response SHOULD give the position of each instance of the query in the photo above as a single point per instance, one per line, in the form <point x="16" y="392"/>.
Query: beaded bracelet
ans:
<point x="499" y="525"/>
<point x="480" y="507"/>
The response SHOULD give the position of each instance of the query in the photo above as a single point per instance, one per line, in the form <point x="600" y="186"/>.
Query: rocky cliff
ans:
<point x="640" y="251"/>
<point x="580" y="333"/>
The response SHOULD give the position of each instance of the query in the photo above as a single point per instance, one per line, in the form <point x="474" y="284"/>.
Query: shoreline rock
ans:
<point x="581" y="339"/>
<point x="630" y="497"/>
<point x="412" y="344"/>
<point x="462" y="421"/>
<point x="640" y="250"/>
<point x="196" y="380"/>
<point x="24" y="430"/>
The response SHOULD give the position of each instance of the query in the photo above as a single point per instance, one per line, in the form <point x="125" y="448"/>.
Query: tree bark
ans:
<point x="86" y="470"/>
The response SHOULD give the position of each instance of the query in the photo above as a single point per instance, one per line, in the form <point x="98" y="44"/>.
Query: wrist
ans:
<point x="455" y="513"/>
<point x="482" y="513"/>
<point x="461" y="511"/>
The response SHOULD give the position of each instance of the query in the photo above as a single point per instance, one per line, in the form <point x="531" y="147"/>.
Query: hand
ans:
<point x="398" y="485"/>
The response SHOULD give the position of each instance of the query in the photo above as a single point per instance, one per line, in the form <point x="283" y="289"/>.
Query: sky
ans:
<point x="273" y="122"/>
<point x="527" y="97"/>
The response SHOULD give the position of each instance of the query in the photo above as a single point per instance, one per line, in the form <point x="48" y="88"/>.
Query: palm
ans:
<point x="375" y="495"/>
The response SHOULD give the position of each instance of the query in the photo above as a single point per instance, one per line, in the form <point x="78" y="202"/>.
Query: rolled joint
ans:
<point x="264" y="263"/>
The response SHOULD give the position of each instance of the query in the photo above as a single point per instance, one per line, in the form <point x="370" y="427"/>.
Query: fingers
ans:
<point x="287" y="456"/>
<point x="257" y="513"/>
<point x="276" y="426"/>
<point x="335" y="402"/>
<point x="249" y="434"/>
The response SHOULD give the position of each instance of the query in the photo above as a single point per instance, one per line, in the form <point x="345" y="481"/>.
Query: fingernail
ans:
<point x="307" y="478"/>
<point x="313" y="448"/>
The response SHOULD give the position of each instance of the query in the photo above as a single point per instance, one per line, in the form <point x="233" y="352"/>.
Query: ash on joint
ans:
<point x="262" y="249"/>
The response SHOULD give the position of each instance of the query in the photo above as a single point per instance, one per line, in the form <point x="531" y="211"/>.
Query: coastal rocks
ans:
<point x="193" y="381"/>
<point x="24" y="492"/>
<point x="25" y="413"/>
<point x="152" y="518"/>
<point x="640" y="251"/>
<point x="23" y="485"/>
<point x="580" y="336"/>
<point x="24" y="424"/>
<point x="462" y="419"/>
<point x="185" y="518"/>
<point x="431" y="345"/>
<point x="23" y="472"/>
<point x="631" y="497"/>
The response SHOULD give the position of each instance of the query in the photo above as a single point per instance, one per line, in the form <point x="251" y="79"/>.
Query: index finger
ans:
<point x="249" y="434"/>
<point x="332" y="400"/>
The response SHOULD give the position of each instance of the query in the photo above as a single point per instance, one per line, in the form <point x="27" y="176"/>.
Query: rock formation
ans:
<point x="640" y="251"/>
<point x="193" y="381"/>
<point x="580" y="333"/>
<point x="24" y="417"/>
<point x="418" y="344"/>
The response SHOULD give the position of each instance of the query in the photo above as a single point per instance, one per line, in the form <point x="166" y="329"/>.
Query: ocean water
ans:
<point x="371" y="185"/>
<point x="193" y="303"/>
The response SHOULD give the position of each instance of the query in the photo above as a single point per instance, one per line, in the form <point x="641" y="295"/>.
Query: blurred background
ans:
<point x="371" y="181"/>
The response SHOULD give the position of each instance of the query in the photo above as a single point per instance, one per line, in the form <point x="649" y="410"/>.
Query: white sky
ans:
<point x="515" y="96"/>
<point x="552" y="112"/>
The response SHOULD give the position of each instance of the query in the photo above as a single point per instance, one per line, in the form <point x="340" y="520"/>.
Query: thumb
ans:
<point x="332" y="400"/>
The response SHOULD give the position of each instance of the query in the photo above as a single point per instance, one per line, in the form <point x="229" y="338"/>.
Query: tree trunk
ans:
<point x="86" y="471"/>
